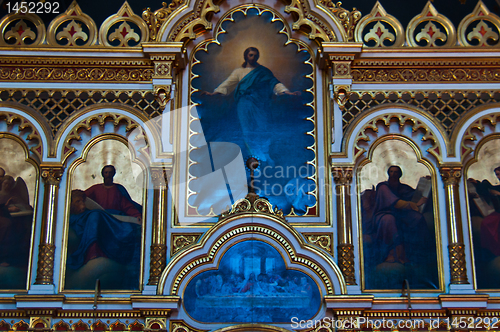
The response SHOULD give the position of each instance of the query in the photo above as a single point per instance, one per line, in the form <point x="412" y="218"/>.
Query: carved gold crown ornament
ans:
<point x="431" y="28"/>
<point x="384" y="29"/>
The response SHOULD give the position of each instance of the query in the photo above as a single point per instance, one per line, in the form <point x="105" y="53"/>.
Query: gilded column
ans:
<point x="51" y="176"/>
<point x="343" y="179"/>
<point x="159" y="176"/>
<point x="451" y="175"/>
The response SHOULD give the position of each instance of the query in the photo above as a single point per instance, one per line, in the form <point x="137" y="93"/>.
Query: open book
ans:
<point x="484" y="208"/>
<point x="423" y="189"/>
<point x="92" y="205"/>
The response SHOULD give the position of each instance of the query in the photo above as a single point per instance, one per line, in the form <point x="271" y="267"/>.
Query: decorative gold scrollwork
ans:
<point x="349" y="19"/>
<point x="324" y="241"/>
<point x="180" y="241"/>
<point x="304" y="18"/>
<point x="198" y="18"/>
<point x="156" y="19"/>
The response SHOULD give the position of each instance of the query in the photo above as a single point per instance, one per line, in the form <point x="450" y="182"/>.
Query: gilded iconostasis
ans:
<point x="216" y="166"/>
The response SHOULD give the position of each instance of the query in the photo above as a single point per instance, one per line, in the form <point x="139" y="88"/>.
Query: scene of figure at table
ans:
<point x="252" y="285"/>
<point x="249" y="105"/>
<point x="104" y="237"/>
<point x="16" y="217"/>
<point x="398" y="234"/>
<point x="484" y="208"/>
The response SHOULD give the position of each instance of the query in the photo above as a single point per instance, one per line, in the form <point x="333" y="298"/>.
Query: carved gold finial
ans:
<point x="349" y="19"/>
<point x="252" y="203"/>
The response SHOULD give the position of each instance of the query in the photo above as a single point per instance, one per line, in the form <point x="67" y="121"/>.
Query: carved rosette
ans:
<point x="252" y="203"/>
<point x="451" y="175"/>
<point x="180" y="241"/>
<point x="346" y="262"/>
<point x="45" y="270"/>
<point x="457" y="263"/>
<point x="158" y="262"/>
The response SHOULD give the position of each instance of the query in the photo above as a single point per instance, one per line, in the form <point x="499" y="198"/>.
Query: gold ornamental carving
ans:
<point x="324" y="241"/>
<point x="341" y="93"/>
<point x="451" y="175"/>
<point x="121" y="29"/>
<point x="160" y="176"/>
<point x="403" y="119"/>
<point x="457" y="263"/>
<point x="431" y="32"/>
<point x="186" y="29"/>
<point x="72" y="31"/>
<point x="482" y="34"/>
<point x="86" y="124"/>
<point x="155" y="20"/>
<point x="25" y="125"/>
<point x="251" y="229"/>
<point x="16" y="32"/>
<point x="346" y="262"/>
<point x="75" y="70"/>
<point x="316" y="27"/>
<point x="380" y="32"/>
<point x="409" y="75"/>
<point x="52" y="175"/>
<point x="349" y="19"/>
<point x="45" y="269"/>
<point x="252" y="203"/>
<point x="180" y="241"/>
<point x="158" y="262"/>
<point x="162" y="94"/>
<point x="180" y="326"/>
<point x="469" y="135"/>
<point x="342" y="175"/>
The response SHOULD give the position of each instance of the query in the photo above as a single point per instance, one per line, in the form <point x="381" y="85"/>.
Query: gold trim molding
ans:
<point x="470" y="136"/>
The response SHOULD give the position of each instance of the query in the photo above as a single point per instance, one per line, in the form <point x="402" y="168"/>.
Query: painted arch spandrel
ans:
<point x="18" y="183"/>
<point x="483" y="187"/>
<point x="263" y="107"/>
<point x="104" y="233"/>
<point x="398" y="227"/>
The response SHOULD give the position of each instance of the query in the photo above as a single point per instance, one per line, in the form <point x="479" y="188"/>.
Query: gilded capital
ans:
<point x="342" y="175"/>
<point x="451" y="174"/>
<point x="52" y="174"/>
<point x="160" y="176"/>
